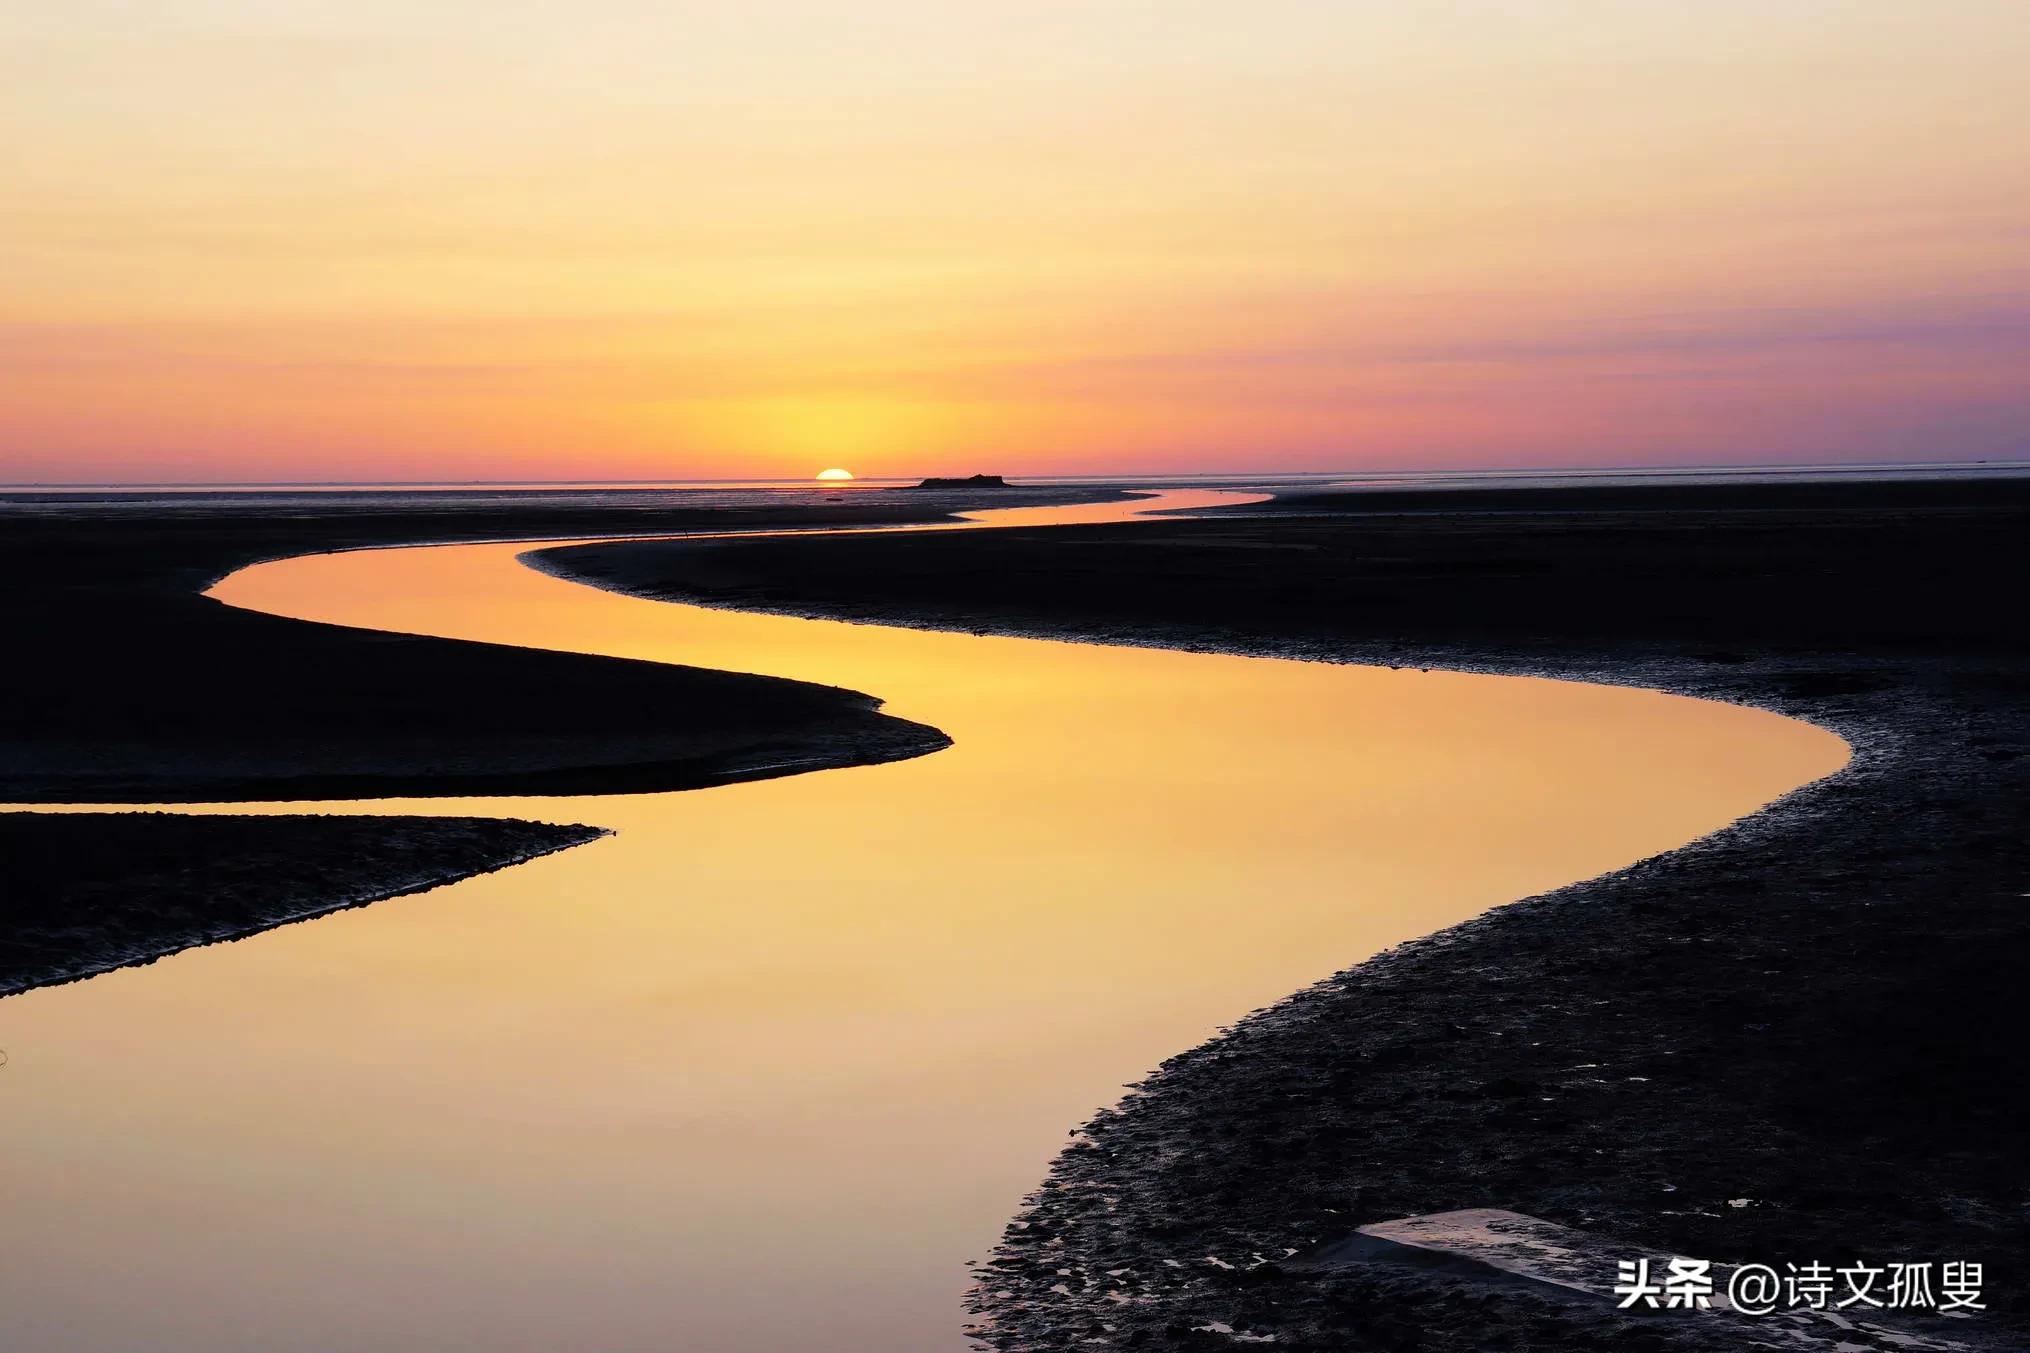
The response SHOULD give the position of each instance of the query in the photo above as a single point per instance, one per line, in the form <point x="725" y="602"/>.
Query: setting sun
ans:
<point x="835" y="473"/>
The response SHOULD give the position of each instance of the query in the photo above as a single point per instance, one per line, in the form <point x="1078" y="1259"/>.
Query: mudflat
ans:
<point x="89" y="892"/>
<point x="1798" y="1040"/>
<point x="132" y="687"/>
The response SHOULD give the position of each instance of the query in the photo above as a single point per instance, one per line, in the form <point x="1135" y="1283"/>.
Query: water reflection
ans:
<point x="760" y="1071"/>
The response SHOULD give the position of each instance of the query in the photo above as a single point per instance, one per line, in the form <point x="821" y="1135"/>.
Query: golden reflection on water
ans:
<point x="761" y="1071"/>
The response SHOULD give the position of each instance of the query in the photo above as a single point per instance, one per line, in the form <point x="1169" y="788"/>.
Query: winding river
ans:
<point x="761" y="1071"/>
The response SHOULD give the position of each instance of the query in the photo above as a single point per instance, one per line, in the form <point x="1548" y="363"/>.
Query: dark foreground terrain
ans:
<point x="1801" y="1039"/>
<point x="87" y="892"/>
<point x="123" y="684"/>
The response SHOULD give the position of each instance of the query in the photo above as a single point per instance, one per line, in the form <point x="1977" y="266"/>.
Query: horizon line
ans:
<point x="1501" y="471"/>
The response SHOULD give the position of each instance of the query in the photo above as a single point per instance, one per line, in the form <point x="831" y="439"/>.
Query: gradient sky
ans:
<point x="275" y="239"/>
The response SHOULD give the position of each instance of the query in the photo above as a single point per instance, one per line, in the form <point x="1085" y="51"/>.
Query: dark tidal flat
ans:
<point x="88" y="892"/>
<point x="1800" y="1039"/>
<point x="131" y="687"/>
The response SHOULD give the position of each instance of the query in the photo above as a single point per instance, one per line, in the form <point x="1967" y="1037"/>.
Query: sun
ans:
<point x="835" y="473"/>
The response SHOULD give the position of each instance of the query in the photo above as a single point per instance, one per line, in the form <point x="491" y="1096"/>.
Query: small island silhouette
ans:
<point x="978" y="481"/>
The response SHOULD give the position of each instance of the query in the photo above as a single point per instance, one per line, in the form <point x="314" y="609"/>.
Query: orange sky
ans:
<point x="617" y="239"/>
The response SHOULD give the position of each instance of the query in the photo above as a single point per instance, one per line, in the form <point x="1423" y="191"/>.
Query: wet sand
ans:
<point x="90" y="892"/>
<point x="1799" y="1039"/>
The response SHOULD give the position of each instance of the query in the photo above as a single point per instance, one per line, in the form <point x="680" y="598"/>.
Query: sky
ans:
<point x="284" y="240"/>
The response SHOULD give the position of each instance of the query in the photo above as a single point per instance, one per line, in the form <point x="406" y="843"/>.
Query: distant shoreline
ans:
<point x="1551" y="476"/>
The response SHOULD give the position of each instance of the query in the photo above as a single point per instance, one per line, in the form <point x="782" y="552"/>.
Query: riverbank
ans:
<point x="90" y="892"/>
<point x="126" y="685"/>
<point x="1797" y="1040"/>
<point x="132" y="687"/>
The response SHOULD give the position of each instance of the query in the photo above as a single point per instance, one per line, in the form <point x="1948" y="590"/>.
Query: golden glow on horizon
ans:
<point x="631" y="239"/>
<point x="835" y="473"/>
